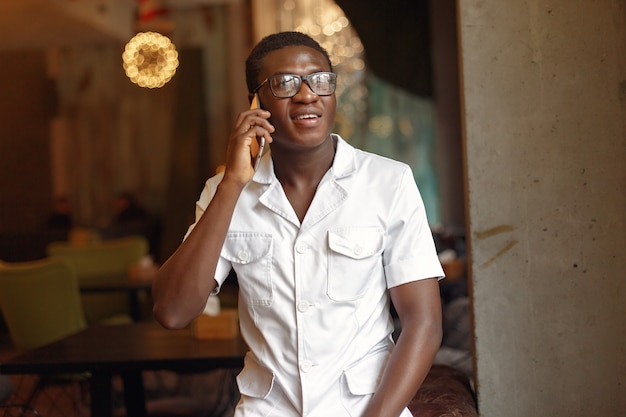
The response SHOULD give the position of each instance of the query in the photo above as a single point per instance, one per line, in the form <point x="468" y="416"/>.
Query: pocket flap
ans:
<point x="364" y="376"/>
<point x="255" y="380"/>
<point x="356" y="243"/>
<point x="244" y="248"/>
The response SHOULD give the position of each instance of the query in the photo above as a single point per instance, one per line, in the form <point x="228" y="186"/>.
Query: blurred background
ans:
<point x="77" y="136"/>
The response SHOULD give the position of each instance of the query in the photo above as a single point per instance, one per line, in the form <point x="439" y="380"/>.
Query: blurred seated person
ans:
<point x="131" y="218"/>
<point x="128" y="209"/>
<point x="61" y="217"/>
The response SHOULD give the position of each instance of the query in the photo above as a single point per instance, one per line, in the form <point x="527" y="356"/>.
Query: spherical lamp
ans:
<point x="150" y="59"/>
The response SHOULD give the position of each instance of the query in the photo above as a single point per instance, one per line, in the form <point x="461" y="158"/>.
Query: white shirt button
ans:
<point x="300" y="248"/>
<point x="358" y="249"/>
<point x="303" y="306"/>
<point x="243" y="255"/>
<point x="306" y="366"/>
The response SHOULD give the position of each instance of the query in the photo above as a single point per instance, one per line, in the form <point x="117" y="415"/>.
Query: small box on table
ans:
<point x="223" y="326"/>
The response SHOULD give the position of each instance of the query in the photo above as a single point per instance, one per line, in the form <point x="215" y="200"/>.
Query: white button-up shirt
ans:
<point x="313" y="299"/>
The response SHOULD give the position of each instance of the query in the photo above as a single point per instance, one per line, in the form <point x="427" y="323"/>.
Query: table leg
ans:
<point x="135" y="308"/>
<point x="134" y="397"/>
<point x="136" y="311"/>
<point x="101" y="394"/>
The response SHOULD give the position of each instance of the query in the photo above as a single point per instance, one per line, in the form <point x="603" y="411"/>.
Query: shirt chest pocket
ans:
<point x="250" y="254"/>
<point x="353" y="261"/>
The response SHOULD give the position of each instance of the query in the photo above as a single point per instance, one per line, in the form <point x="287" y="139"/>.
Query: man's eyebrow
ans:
<point x="295" y="73"/>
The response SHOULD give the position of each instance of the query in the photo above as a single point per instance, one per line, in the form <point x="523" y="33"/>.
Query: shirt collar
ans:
<point x="344" y="163"/>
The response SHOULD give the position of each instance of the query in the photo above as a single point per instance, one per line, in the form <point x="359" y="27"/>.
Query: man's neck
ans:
<point x="300" y="173"/>
<point x="303" y="168"/>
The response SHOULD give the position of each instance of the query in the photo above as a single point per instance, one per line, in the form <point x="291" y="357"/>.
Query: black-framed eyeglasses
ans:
<point x="288" y="85"/>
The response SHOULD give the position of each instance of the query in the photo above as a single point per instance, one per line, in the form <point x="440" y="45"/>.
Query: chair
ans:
<point x="41" y="303"/>
<point x="108" y="259"/>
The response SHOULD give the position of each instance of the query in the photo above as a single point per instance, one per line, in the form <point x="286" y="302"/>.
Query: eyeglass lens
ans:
<point x="287" y="85"/>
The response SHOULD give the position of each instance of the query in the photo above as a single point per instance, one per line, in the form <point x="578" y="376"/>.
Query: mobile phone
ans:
<point x="256" y="104"/>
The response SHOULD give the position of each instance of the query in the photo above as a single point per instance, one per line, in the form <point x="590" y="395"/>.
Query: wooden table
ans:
<point x="127" y="350"/>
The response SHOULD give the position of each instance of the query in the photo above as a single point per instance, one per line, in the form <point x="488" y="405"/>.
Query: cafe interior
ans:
<point x="113" y="115"/>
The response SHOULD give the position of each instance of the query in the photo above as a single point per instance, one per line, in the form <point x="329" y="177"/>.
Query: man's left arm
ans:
<point x="418" y="305"/>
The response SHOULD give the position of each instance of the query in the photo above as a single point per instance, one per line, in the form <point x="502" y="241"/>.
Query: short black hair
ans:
<point x="273" y="42"/>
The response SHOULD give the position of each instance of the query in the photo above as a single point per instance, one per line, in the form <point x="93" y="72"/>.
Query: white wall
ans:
<point x="544" y="108"/>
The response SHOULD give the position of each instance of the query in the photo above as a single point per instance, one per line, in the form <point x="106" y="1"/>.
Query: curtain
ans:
<point x="116" y="137"/>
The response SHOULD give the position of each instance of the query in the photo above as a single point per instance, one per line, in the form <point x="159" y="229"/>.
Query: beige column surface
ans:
<point x="544" y="110"/>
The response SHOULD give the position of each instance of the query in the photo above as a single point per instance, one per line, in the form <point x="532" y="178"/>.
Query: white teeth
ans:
<point x="306" y="116"/>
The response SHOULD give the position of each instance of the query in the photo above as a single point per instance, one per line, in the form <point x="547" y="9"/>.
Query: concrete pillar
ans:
<point x="544" y="110"/>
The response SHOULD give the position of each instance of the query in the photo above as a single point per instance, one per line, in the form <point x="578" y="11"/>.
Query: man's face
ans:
<point x="306" y="119"/>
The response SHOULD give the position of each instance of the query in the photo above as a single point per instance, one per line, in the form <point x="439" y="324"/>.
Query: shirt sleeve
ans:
<point x="410" y="252"/>
<point x="208" y="192"/>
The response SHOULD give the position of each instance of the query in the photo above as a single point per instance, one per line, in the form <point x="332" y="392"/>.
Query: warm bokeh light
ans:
<point x="150" y="59"/>
<point x="326" y="22"/>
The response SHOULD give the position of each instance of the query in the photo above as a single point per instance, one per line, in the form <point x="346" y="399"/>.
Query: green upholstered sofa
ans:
<point x="101" y="260"/>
